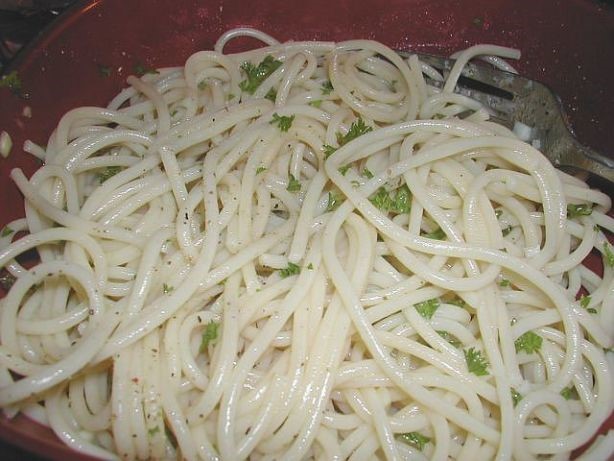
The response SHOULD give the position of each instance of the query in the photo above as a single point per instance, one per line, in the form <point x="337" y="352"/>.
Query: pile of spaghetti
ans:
<point x="309" y="250"/>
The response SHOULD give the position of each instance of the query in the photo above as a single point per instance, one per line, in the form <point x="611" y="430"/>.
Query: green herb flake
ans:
<point x="609" y="255"/>
<point x="327" y="87"/>
<point x="284" y="122"/>
<point x="6" y="231"/>
<point x="575" y="211"/>
<point x="333" y="201"/>
<point x="166" y="288"/>
<point x="294" y="185"/>
<point x="12" y="82"/>
<point x="367" y="173"/>
<point x="585" y="301"/>
<point x="140" y="69"/>
<point x="153" y="431"/>
<point x="357" y="128"/>
<point x="271" y="95"/>
<point x="415" y="439"/>
<point x="506" y="231"/>
<point x="529" y="342"/>
<point x="209" y="335"/>
<point x="456" y="301"/>
<point x="437" y="234"/>
<point x="476" y="362"/>
<point x="315" y="103"/>
<point x="258" y="74"/>
<point x="516" y="396"/>
<point x="260" y="169"/>
<point x="291" y="269"/>
<point x="202" y="85"/>
<point x="505" y="283"/>
<point x="344" y="169"/>
<point x="427" y="308"/>
<point x="107" y="173"/>
<point x="398" y="201"/>
<point x="328" y="150"/>
<point x="104" y="71"/>
<point x="569" y="393"/>
<point x="310" y="266"/>
<point x="450" y="338"/>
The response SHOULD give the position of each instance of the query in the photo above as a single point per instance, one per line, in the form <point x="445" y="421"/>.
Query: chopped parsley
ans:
<point x="427" y="308"/>
<point x="6" y="231"/>
<point x="202" y="84"/>
<point x="104" y="71"/>
<point x="609" y="255"/>
<point x="505" y="231"/>
<point x="260" y="169"/>
<point x="310" y="266"/>
<point x="529" y="342"/>
<point x="209" y="335"/>
<point x="153" y="431"/>
<point x="140" y="69"/>
<point x="327" y="87"/>
<point x="476" y="362"/>
<point x="166" y="288"/>
<point x="291" y="269"/>
<point x="415" y="439"/>
<point x="343" y="169"/>
<point x="284" y="122"/>
<point x="398" y="201"/>
<point x="107" y="173"/>
<point x="315" y="103"/>
<point x="294" y="185"/>
<point x="505" y="283"/>
<point x="569" y="393"/>
<point x="258" y="74"/>
<point x="450" y="338"/>
<point x="357" y="128"/>
<point x="12" y="82"/>
<point x="333" y="201"/>
<point x="367" y="173"/>
<point x="456" y="301"/>
<point x="584" y="300"/>
<point x="271" y="95"/>
<point x="437" y="234"/>
<point x="574" y="211"/>
<point x="516" y="396"/>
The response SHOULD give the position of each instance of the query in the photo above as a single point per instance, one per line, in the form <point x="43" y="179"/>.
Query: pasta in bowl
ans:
<point x="304" y="251"/>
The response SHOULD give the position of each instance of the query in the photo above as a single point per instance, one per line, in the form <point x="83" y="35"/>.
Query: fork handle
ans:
<point x="569" y="152"/>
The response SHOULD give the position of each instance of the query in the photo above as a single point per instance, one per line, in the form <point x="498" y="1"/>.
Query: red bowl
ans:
<point x="568" y="44"/>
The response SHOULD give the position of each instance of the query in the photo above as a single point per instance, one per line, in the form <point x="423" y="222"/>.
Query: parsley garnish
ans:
<point x="573" y="211"/>
<point x="529" y="342"/>
<point x="166" y="288"/>
<point x="6" y="231"/>
<point x="327" y="87"/>
<point x="202" y="84"/>
<point x="260" y="169"/>
<point x="585" y="301"/>
<point x="153" y="431"/>
<point x="415" y="439"/>
<point x="310" y="266"/>
<point x="284" y="122"/>
<point x="108" y="173"/>
<point x="343" y="169"/>
<point x="506" y="231"/>
<point x="357" y="128"/>
<point x="291" y="269"/>
<point x="258" y="74"/>
<point x="476" y="363"/>
<point x="12" y="82"/>
<point x="140" y="70"/>
<point x="427" y="308"/>
<point x="294" y="185"/>
<point x="437" y="234"/>
<point x="315" y="103"/>
<point x="333" y="201"/>
<point x="458" y="302"/>
<point x="209" y="335"/>
<point x="609" y="255"/>
<point x="398" y="202"/>
<point x="450" y="338"/>
<point x="505" y="283"/>
<point x="367" y="173"/>
<point x="271" y="95"/>
<point x="516" y="396"/>
<point x="569" y="393"/>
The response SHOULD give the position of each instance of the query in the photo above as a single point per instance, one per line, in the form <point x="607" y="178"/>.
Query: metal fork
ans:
<point x="511" y="98"/>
